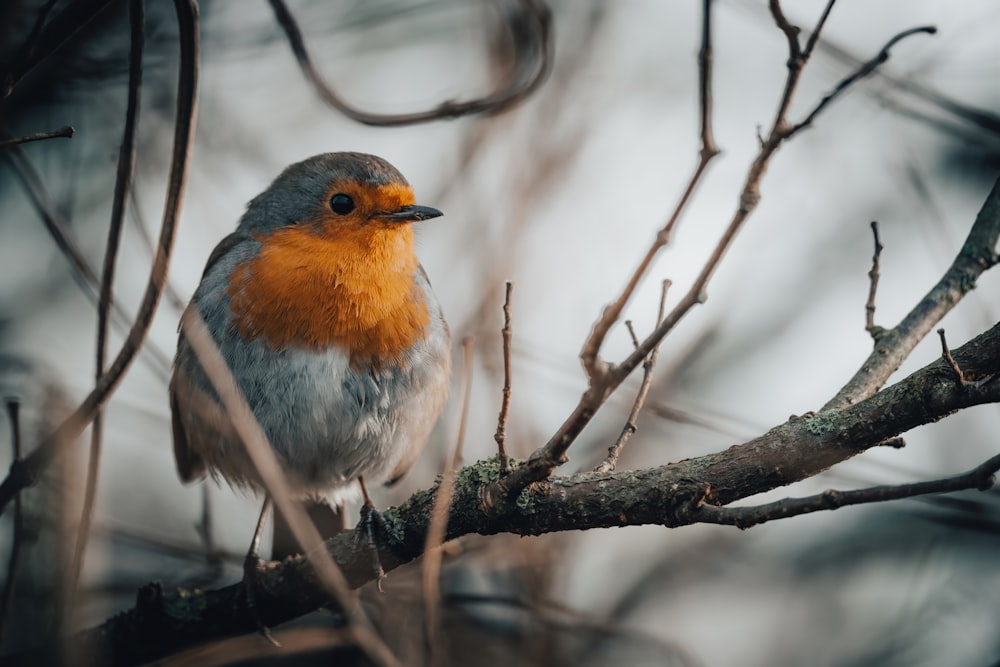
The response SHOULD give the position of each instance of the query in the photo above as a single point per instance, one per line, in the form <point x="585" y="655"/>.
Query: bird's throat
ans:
<point x="356" y="292"/>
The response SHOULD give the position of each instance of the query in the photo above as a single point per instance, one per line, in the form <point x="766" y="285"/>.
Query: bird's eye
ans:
<point x="341" y="204"/>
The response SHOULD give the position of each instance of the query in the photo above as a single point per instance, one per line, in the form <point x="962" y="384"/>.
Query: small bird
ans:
<point x="330" y="328"/>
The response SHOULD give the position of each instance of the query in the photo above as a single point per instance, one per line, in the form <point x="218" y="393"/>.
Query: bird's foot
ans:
<point x="371" y="525"/>
<point x="253" y="567"/>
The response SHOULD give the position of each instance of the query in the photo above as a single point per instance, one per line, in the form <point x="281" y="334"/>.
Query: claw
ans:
<point x="252" y="568"/>
<point x="372" y="521"/>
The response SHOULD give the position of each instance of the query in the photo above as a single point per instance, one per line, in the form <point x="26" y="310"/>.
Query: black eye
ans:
<point x="341" y="204"/>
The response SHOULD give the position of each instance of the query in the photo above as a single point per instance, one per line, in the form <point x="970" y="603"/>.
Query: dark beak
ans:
<point x="410" y="214"/>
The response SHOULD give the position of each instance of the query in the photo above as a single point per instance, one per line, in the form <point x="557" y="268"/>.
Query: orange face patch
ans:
<point x="369" y="201"/>
<point x="345" y="281"/>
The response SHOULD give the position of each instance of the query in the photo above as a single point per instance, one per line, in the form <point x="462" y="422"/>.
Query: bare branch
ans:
<point x="865" y="70"/>
<point x="84" y="275"/>
<point x="668" y="495"/>
<point x="982" y="477"/>
<point x="615" y="451"/>
<point x="873" y="276"/>
<point x="13" y="410"/>
<point x="66" y="132"/>
<point x="946" y="355"/>
<point x="532" y="23"/>
<point x="431" y="571"/>
<point x="603" y="377"/>
<point x="123" y="183"/>
<point x="814" y="37"/>
<point x="43" y="42"/>
<point x="501" y="435"/>
<point x="978" y="253"/>
<point x="705" y="59"/>
<point x="589" y="354"/>
<point x="26" y="472"/>
<point x="791" y="31"/>
<point x="278" y="489"/>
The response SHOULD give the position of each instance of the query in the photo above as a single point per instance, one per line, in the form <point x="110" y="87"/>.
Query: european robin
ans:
<point x="330" y="328"/>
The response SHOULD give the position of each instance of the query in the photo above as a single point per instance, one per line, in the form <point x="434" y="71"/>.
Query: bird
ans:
<point x="330" y="328"/>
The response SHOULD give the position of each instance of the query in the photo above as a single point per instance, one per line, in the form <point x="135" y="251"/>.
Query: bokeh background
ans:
<point x="562" y="195"/>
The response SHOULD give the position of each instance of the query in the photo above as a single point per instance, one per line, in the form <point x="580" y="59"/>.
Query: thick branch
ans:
<point x="669" y="496"/>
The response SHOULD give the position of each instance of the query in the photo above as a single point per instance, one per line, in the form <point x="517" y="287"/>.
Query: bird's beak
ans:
<point x="410" y="214"/>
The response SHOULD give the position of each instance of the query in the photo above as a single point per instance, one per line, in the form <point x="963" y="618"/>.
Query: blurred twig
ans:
<point x="278" y="489"/>
<point x="25" y="473"/>
<point x="83" y="273"/>
<point x="123" y="184"/>
<point x="18" y="527"/>
<point x="65" y="132"/>
<point x="43" y="41"/>
<point x="431" y="571"/>
<point x="530" y="26"/>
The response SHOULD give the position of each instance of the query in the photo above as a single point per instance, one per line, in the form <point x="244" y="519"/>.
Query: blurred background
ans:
<point x="562" y="195"/>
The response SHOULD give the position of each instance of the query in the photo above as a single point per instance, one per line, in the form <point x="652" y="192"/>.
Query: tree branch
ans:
<point x="978" y="253"/>
<point x="982" y="477"/>
<point x="25" y="473"/>
<point x="531" y="29"/>
<point x="65" y="132"/>
<point x="670" y="495"/>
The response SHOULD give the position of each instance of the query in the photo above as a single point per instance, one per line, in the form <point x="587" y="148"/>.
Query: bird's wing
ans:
<point x="190" y="466"/>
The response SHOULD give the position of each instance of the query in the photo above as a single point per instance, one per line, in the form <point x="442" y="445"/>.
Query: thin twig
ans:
<point x="865" y="70"/>
<point x="27" y="472"/>
<point x="18" y="527"/>
<point x="814" y="37"/>
<point x="276" y="485"/>
<point x="170" y="293"/>
<point x="66" y="132"/>
<point x="431" y="570"/>
<point x="501" y="435"/>
<point x="873" y="276"/>
<point x="705" y="58"/>
<point x="791" y="31"/>
<point x="44" y="41"/>
<point x="84" y="275"/>
<point x="595" y="368"/>
<point x="977" y="254"/>
<point x="123" y="180"/>
<point x="615" y="451"/>
<point x="631" y="333"/>
<point x="946" y="355"/>
<point x="604" y="378"/>
<point x="36" y="30"/>
<point x="982" y="477"/>
<point x="531" y="23"/>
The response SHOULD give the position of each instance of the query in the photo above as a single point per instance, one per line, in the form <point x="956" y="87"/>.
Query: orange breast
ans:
<point x="355" y="291"/>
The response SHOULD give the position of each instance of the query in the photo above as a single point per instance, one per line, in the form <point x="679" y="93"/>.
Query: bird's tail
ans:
<point x="329" y="521"/>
